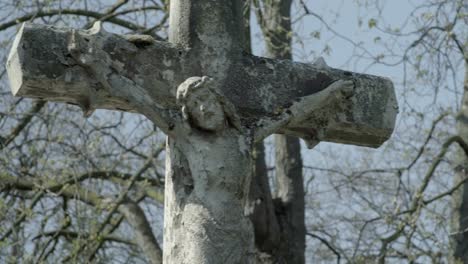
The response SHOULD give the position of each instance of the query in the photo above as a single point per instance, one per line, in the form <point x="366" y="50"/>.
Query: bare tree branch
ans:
<point x="328" y="245"/>
<point x="81" y="12"/>
<point x="22" y="124"/>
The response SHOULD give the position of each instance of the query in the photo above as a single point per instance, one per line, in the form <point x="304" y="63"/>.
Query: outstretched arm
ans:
<point x="301" y="110"/>
<point x="107" y="73"/>
<point x="266" y="88"/>
<point x="96" y="70"/>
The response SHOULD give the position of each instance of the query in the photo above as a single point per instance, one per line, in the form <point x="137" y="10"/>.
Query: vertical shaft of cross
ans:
<point x="207" y="173"/>
<point x="212" y="29"/>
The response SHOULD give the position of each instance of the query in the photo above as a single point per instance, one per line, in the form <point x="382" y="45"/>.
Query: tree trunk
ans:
<point x="260" y="208"/>
<point x="289" y="200"/>
<point x="266" y="227"/>
<point x="460" y="197"/>
<point x="144" y="236"/>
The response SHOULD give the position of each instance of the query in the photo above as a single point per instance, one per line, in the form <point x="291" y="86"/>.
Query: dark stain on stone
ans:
<point x="246" y="53"/>
<point x="141" y="44"/>
<point x="109" y="46"/>
<point x="319" y="83"/>
<point x="347" y="73"/>
<point x="188" y="189"/>
<point x="252" y="60"/>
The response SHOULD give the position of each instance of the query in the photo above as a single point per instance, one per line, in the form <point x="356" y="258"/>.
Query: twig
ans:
<point x="328" y="245"/>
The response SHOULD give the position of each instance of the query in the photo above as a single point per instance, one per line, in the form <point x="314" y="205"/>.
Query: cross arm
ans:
<point x="95" y="69"/>
<point x="314" y="101"/>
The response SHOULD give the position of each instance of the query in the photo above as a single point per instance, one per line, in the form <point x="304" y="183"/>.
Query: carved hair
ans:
<point x="185" y="90"/>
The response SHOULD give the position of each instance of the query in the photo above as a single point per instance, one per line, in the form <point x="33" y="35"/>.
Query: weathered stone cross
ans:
<point x="212" y="100"/>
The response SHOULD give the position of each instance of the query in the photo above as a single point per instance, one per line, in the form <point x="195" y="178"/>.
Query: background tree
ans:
<point x="287" y="243"/>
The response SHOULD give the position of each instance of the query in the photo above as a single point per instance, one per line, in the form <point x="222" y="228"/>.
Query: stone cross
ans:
<point x="213" y="100"/>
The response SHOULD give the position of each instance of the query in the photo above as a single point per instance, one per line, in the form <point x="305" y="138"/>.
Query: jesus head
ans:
<point x="201" y="104"/>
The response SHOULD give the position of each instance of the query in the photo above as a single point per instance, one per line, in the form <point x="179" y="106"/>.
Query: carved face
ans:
<point x="204" y="110"/>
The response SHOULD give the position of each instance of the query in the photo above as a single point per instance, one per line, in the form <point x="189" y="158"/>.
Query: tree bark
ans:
<point x="289" y="201"/>
<point x="144" y="236"/>
<point x="289" y="198"/>
<point x="460" y="197"/>
<point x="260" y="208"/>
<point x="266" y="227"/>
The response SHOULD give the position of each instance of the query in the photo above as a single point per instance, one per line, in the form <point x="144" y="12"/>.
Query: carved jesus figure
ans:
<point x="204" y="187"/>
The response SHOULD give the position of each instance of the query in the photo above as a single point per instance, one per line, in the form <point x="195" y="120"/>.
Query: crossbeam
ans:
<point x="263" y="91"/>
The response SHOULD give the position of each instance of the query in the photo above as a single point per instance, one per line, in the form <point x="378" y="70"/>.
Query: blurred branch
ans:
<point x="123" y="195"/>
<point x="54" y="237"/>
<point x="328" y="245"/>
<point x="426" y="141"/>
<point x="22" y="124"/>
<point x="143" y="233"/>
<point x="259" y="14"/>
<point x="73" y="235"/>
<point x="417" y="202"/>
<point x="307" y="11"/>
<point x="134" y="215"/>
<point x="81" y="12"/>
<point x="37" y="197"/>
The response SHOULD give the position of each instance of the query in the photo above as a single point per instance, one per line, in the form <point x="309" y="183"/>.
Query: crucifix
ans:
<point x="212" y="100"/>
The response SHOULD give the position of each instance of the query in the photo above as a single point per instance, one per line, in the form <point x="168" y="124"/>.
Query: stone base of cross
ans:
<point x="213" y="100"/>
